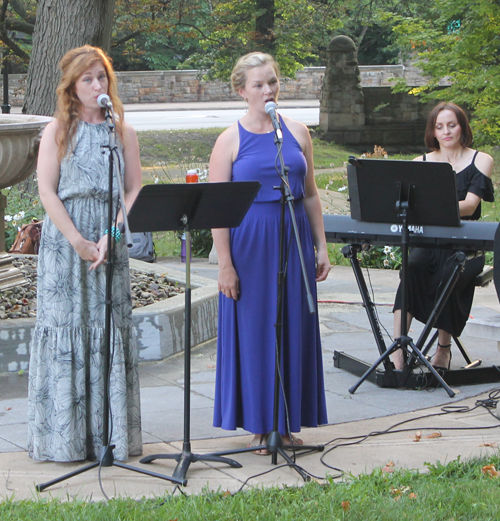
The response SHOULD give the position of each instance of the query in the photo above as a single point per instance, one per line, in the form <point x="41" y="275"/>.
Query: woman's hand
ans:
<point x="323" y="265"/>
<point x="229" y="283"/>
<point x="102" y="250"/>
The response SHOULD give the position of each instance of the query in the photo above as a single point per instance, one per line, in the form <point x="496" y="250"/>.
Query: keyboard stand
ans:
<point x="389" y="377"/>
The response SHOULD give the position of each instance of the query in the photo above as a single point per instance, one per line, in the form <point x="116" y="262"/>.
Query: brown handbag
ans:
<point x="28" y="238"/>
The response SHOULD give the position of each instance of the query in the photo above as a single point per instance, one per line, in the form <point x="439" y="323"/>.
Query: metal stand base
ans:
<point x="420" y="380"/>
<point x="106" y="460"/>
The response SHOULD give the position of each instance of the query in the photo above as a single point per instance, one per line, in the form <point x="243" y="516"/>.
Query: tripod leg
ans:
<point x="395" y="345"/>
<point x="43" y="486"/>
<point x="423" y="359"/>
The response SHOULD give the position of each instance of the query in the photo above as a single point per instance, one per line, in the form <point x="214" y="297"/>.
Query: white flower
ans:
<point x="386" y="263"/>
<point x="392" y="256"/>
<point x="342" y="188"/>
<point x="387" y="249"/>
<point x="8" y="218"/>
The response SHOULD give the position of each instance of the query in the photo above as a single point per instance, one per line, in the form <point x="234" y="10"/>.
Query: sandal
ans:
<point x="441" y="368"/>
<point x="258" y="441"/>
<point x="292" y="442"/>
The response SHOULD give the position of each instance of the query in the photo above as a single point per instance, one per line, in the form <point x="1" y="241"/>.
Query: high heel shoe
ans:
<point x="441" y="368"/>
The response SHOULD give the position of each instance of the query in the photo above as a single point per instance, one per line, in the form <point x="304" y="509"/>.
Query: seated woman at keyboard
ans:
<point x="449" y="136"/>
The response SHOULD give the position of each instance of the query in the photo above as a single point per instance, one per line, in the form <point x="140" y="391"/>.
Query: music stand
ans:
<point x="186" y="207"/>
<point x="409" y="194"/>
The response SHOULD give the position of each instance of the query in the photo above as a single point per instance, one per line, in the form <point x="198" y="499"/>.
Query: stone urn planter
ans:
<point x="19" y="138"/>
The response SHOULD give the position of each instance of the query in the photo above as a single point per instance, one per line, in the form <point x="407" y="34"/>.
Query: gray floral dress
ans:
<point x="66" y="374"/>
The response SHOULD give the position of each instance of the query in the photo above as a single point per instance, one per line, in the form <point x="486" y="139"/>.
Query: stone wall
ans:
<point x="188" y="86"/>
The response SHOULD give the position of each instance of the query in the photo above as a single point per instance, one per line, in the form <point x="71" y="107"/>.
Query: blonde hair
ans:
<point x="72" y="65"/>
<point x="249" y="61"/>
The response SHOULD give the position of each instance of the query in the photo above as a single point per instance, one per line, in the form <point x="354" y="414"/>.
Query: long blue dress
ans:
<point x="246" y="335"/>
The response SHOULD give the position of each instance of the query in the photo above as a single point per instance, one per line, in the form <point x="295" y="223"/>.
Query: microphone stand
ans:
<point x="275" y="443"/>
<point x="106" y="458"/>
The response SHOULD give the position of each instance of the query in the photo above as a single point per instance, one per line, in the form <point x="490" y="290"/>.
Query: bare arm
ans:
<point x="48" y="171"/>
<point x="312" y="203"/>
<point x="484" y="163"/>
<point x="221" y="165"/>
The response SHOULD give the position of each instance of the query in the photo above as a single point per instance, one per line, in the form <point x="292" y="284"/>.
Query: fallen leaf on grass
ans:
<point x="399" y="491"/>
<point x="346" y="506"/>
<point x="417" y="437"/>
<point x="389" y="467"/>
<point x="412" y="495"/>
<point x="490" y="471"/>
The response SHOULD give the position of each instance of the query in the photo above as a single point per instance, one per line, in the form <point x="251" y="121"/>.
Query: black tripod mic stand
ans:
<point x="274" y="443"/>
<point x="106" y="458"/>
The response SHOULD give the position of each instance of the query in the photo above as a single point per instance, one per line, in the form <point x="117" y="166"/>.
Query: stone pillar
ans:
<point x="342" y="101"/>
<point x="3" y="206"/>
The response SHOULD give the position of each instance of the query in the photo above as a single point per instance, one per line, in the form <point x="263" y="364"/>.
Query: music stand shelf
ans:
<point x="405" y="193"/>
<point x="187" y="207"/>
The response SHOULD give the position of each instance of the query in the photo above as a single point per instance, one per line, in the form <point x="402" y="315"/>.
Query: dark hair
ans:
<point x="466" y="134"/>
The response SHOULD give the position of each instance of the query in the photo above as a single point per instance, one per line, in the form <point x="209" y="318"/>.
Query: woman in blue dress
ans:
<point x="248" y="259"/>
<point x="448" y="136"/>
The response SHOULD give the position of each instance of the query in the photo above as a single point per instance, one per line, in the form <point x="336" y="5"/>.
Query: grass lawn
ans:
<point x="457" y="491"/>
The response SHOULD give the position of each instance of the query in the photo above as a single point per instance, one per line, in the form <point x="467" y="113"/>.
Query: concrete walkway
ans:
<point x="344" y="327"/>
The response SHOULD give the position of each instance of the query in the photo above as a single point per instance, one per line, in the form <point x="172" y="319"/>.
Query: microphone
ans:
<point x="270" y="108"/>
<point x="104" y="101"/>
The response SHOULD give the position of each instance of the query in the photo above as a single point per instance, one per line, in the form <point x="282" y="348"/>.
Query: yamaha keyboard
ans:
<point x="470" y="235"/>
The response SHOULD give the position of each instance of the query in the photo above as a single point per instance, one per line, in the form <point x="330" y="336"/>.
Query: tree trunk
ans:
<point x="61" y="26"/>
<point x="264" y="25"/>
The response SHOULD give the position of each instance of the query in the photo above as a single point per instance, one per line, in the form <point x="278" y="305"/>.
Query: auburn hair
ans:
<point x="72" y="65"/>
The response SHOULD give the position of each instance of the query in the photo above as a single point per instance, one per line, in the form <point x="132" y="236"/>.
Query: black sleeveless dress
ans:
<point x="428" y="267"/>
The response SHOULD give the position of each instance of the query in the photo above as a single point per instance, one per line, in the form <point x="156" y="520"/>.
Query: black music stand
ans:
<point x="410" y="194"/>
<point x="186" y="207"/>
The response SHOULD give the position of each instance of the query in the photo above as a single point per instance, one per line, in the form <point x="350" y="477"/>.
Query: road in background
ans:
<point x="202" y="118"/>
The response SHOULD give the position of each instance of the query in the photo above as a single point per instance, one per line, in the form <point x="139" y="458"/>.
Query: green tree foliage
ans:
<point x="457" y="41"/>
<point x="292" y="30"/>
<point x="157" y="34"/>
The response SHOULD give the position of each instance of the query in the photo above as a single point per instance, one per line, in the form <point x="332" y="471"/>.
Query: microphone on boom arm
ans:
<point x="270" y="108"/>
<point x="104" y="101"/>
